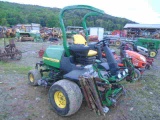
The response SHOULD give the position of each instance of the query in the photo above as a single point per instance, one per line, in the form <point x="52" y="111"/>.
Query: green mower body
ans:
<point x="152" y="45"/>
<point x="52" y="56"/>
<point x="65" y="65"/>
<point x="149" y="43"/>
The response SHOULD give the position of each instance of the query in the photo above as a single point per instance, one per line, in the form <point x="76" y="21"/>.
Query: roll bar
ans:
<point x="62" y="22"/>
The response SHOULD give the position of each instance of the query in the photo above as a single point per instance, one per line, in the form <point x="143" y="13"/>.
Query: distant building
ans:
<point x="33" y="27"/>
<point x="141" y="30"/>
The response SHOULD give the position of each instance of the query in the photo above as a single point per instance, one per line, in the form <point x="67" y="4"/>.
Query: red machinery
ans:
<point x="138" y="60"/>
<point x="120" y="33"/>
<point x="148" y="59"/>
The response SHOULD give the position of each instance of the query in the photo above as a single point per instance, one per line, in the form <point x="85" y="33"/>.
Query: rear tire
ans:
<point x="148" y="67"/>
<point x="117" y="43"/>
<point x="65" y="97"/>
<point x="33" y="77"/>
<point x="152" y="53"/>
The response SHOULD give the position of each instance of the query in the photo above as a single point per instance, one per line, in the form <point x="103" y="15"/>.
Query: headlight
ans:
<point x="126" y="70"/>
<point x="123" y="73"/>
<point x="119" y="75"/>
<point x="143" y="58"/>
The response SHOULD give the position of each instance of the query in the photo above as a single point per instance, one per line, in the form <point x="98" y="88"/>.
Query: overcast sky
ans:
<point x="141" y="11"/>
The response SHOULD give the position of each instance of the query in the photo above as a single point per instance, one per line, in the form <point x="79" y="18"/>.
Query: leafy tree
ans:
<point x="4" y="22"/>
<point x="13" y="13"/>
<point x="52" y="21"/>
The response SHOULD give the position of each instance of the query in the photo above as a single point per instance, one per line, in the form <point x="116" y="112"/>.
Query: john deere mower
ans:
<point x="73" y="73"/>
<point x="146" y="46"/>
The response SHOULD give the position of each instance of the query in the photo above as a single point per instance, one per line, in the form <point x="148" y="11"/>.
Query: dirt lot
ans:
<point x="19" y="101"/>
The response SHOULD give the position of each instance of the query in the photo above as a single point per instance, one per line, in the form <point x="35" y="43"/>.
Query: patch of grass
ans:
<point x="30" y="106"/>
<point x="2" y="41"/>
<point x="3" y="116"/>
<point x="13" y="68"/>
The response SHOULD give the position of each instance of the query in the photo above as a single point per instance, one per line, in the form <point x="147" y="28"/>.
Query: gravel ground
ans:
<point x="19" y="101"/>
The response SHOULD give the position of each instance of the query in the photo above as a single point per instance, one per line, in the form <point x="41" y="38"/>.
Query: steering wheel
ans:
<point x="103" y="42"/>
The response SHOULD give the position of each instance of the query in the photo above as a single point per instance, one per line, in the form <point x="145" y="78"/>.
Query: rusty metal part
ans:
<point x="89" y="88"/>
<point x="10" y="51"/>
<point x="3" y="56"/>
<point x="96" y="95"/>
<point x="85" y="92"/>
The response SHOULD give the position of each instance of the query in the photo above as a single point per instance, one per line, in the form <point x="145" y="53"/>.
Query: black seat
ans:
<point x="79" y="49"/>
<point x="82" y="54"/>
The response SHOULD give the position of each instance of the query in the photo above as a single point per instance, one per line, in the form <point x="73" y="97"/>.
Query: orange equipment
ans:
<point x="138" y="60"/>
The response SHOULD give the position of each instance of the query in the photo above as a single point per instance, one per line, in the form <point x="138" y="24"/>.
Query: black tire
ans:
<point x="152" y="53"/>
<point x="148" y="67"/>
<point x="33" y="77"/>
<point x="137" y="75"/>
<point x="157" y="51"/>
<point x="72" y="94"/>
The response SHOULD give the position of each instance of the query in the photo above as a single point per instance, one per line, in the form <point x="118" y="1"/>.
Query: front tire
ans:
<point x="33" y="77"/>
<point x="148" y="66"/>
<point x="65" y="97"/>
<point x="136" y="75"/>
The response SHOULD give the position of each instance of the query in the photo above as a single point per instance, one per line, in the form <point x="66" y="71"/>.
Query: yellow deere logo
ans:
<point x="51" y="59"/>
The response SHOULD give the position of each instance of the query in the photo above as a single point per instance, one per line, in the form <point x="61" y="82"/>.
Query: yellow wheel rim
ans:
<point x="60" y="99"/>
<point x="117" y="43"/>
<point x="135" y="75"/>
<point x="152" y="54"/>
<point x="31" y="78"/>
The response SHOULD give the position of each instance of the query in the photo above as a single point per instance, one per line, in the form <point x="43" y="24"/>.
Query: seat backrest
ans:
<point x="79" y="50"/>
<point x="79" y="39"/>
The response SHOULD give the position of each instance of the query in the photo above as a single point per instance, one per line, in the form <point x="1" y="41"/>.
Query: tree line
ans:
<point x="14" y="13"/>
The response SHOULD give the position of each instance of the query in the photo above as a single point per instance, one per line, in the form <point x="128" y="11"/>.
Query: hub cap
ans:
<point x="117" y="43"/>
<point x="152" y="54"/>
<point x="31" y="78"/>
<point x="60" y="99"/>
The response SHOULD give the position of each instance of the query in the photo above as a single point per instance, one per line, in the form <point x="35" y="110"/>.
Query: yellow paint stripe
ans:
<point x="51" y="59"/>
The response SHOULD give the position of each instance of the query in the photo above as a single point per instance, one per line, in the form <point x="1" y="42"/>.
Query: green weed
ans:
<point x="13" y="68"/>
